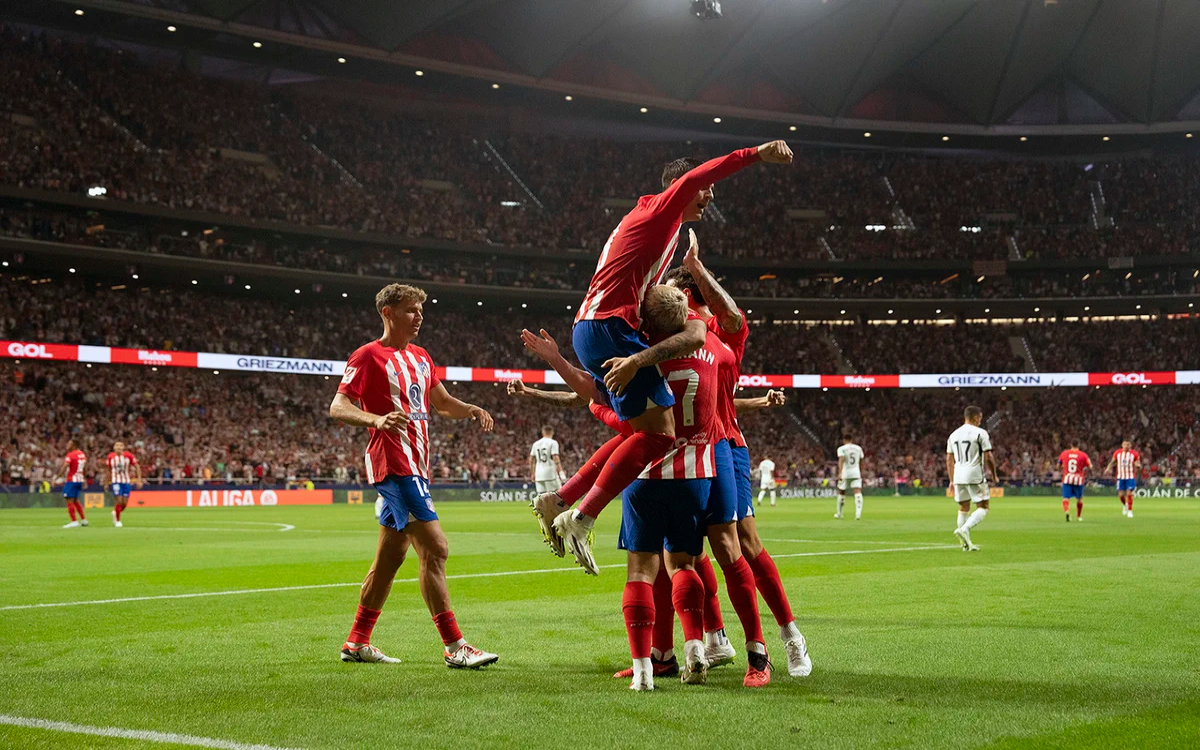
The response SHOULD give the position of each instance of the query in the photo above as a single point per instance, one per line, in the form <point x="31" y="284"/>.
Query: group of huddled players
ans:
<point x="124" y="472"/>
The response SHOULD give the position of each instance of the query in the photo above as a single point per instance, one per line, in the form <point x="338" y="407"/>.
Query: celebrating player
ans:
<point x="73" y="484"/>
<point x="119" y="463"/>
<point x="606" y="337"/>
<point x="850" y="457"/>
<point x="766" y="479"/>
<point x="545" y="468"/>
<point x="1074" y="463"/>
<point x="969" y="462"/>
<point x="395" y="383"/>
<point x="1129" y="464"/>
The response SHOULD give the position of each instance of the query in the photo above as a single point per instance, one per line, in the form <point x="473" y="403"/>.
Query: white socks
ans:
<point x="975" y="518"/>
<point x="841" y="503"/>
<point x="789" y="632"/>
<point x="962" y="518"/>
<point x="772" y="497"/>
<point x="760" y="496"/>
<point x="858" y="505"/>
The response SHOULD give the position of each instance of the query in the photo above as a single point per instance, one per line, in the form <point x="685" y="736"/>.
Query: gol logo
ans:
<point x="1131" y="378"/>
<point x="17" y="349"/>
<point x="752" y="380"/>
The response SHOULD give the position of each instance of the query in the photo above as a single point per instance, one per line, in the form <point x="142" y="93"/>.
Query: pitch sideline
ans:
<point x="144" y="735"/>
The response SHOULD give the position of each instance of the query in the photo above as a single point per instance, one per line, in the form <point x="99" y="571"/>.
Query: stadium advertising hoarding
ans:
<point x="330" y="367"/>
<point x="201" y="498"/>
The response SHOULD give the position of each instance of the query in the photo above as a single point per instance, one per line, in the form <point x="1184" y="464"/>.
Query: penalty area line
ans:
<point x="493" y="574"/>
<point x="169" y="738"/>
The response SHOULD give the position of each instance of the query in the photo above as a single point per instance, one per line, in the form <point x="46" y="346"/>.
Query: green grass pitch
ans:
<point x="1055" y="635"/>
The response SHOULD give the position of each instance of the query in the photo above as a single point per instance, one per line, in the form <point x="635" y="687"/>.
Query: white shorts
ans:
<point x="548" y="485"/>
<point x="973" y="493"/>
<point x="849" y="484"/>
<point x="766" y="486"/>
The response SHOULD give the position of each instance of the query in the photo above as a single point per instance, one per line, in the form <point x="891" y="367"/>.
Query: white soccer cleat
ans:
<point x="578" y="536"/>
<point x="694" y="670"/>
<point x="365" y="653"/>
<point x="83" y="522"/>
<point x="971" y="548"/>
<point x="546" y="508"/>
<point x="467" y="656"/>
<point x="116" y="524"/>
<point x="799" y="663"/>
<point x="964" y="538"/>
<point x="1130" y="515"/>
<point x="837" y="515"/>
<point x="719" y="654"/>
<point x="644" y="681"/>
<point x="1080" y="519"/>
<point x="72" y="525"/>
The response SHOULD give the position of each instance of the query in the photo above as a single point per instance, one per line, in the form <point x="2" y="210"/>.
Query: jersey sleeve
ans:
<point x="610" y="418"/>
<point x="132" y="459"/>
<point x="354" y="378"/>
<point x="950" y="445"/>
<point x="985" y="440"/>
<point x="677" y="195"/>
<point x="434" y="380"/>
<point x="553" y="447"/>
<point x="533" y="449"/>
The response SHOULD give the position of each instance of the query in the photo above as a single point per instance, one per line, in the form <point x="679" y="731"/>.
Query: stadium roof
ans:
<point x="967" y="66"/>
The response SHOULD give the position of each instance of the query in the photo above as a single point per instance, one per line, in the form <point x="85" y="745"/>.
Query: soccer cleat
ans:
<point x="758" y="671"/>
<point x="668" y="668"/>
<point x="545" y="508"/>
<point x="964" y="536"/>
<point x="578" y="537"/>
<point x="799" y="664"/>
<point x="1079" y="519"/>
<point x="1068" y="518"/>
<point x="972" y="548"/>
<point x="646" y="682"/>
<point x="695" y="667"/>
<point x="837" y="515"/>
<point x="469" y="657"/>
<point x="365" y="653"/>
<point x="1129" y="515"/>
<point x="83" y="522"/>
<point x="116" y="524"/>
<point x="719" y="654"/>
<point x="72" y="525"/>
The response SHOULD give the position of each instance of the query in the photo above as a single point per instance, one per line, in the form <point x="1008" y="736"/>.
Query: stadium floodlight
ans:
<point x="79" y="11"/>
<point x="194" y="281"/>
<point x="257" y="45"/>
<point x="172" y="29"/>
<point x="867" y="134"/>
<point x="945" y="137"/>
<point x="72" y="270"/>
<point x="706" y="10"/>
<point x="495" y="85"/>
<point x="96" y="191"/>
<point x="717" y="119"/>
<point x="342" y="60"/>
<point x="297" y="291"/>
<point x="568" y="97"/>
<point x="1105" y="139"/>
<point x="1024" y="138"/>
<point x="1187" y="135"/>
<point x="418" y="72"/>
<point x="135" y="276"/>
<point x="247" y="286"/>
<point x="643" y="110"/>
<point x="344" y="295"/>
<point x="792" y="128"/>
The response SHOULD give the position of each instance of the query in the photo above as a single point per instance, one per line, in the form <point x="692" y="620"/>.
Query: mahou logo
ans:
<point x="1131" y="378"/>
<point x="860" y="381"/>
<point x="37" y="351"/>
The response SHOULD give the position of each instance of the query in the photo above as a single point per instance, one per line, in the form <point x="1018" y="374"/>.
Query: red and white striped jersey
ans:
<point x="384" y="379"/>
<point x="639" y="251"/>
<point x="1125" y="460"/>
<point x="1073" y="463"/>
<point x="730" y="373"/>
<point x="75" y="461"/>
<point x="119" y="465"/>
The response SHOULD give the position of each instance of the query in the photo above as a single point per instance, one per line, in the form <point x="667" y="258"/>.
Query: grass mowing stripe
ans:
<point x="169" y="738"/>
<point x="494" y="574"/>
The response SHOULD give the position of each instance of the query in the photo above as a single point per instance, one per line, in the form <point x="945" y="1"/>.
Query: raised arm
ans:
<point x="682" y="191"/>
<point x="554" y="398"/>
<point x="622" y="369"/>
<point x="719" y="301"/>
<point x="544" y="346"/>
<point x="450" y="407"/>
<point x="769" y="401"/>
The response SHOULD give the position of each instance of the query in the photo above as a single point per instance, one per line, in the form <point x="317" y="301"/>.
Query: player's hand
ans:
<point x="776" y="398"/>
<point x="775" y="152"/>
<point x="692" y="257"/>
<point x="620" y="371"/>
<point x="395" y="422"/>
<point x="542" y="344"/>
<point x="517" y="388"/>
<point x="485" y="420"/>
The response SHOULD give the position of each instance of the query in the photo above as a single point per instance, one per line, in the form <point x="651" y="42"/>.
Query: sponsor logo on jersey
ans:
<point x="348" y="376"/>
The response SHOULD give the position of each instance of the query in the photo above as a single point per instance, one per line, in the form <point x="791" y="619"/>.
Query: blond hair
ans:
<point x="664" y="310"/>
<point x="398" y="294"/>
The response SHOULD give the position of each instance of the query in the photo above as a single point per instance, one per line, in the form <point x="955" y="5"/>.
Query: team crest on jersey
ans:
<point x="423" y="368"/>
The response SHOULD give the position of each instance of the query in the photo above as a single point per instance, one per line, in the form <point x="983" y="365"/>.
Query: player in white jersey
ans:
<point x="766" y="479"/>
<point x="545" y="468"/>
<point x="850" y="457"/>
<point x="969" y="462"/>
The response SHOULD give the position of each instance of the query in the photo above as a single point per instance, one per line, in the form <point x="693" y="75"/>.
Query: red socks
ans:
<point x="770" y="585"/>
<point x="117" y="510"/>
<point x="79" y="510"/>
<point x="1066" y="505"/>
<point x="447" y="627"/>
<point x="664" y="613"/>
<point x="637" y="604"/>
<point x="712" y="606"/>
<point x="71" y="509"/>
<point x="739" y="581"/>
<point x="364" y="623"/>
<point x="1129" y="502"/>
<point x="583" y="480"/>
<point x="687" y="594"/>
<point x="627" y="461"/>
<point x="1078" y="508"/>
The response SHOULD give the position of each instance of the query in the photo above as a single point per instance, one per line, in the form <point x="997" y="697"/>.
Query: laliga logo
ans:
<point x="16" y="349"/>
<point x="752" y="380"/>
<point x="268" y="497"/>
<point x="1131" y="378"/>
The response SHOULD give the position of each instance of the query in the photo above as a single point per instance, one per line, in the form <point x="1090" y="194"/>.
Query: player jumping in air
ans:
<point x="1074" y="463"/>
<point x="121" y="463"/>
<point x="545" y="467"/>
<point x="766" y="479"/>
<point x="73" y="484"/>
<point x="608" y="344"/>
<point x="850" y="457"/>
<point x="394" y="383"/>
<point x="1128" y="463"/>
<point x="969" y="462"/>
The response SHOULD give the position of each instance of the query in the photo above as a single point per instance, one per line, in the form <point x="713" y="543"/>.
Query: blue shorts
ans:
<point x="1072" y="491"/>
<point x="71" y="490"/>
<point x="121" y="489"/>
<point x="1126" y="485"/>
<point x="745" y="491"/>
<point x="404" y="499"/>
<point x="659" y="514"/>
<point x="596" y="342"/>
<point x="722" y="501"/>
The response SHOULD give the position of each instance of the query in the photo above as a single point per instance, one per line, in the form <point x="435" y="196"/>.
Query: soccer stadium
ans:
<point x="682" y="373"/>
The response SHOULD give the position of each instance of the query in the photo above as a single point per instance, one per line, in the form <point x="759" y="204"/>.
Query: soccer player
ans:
<point x="545" y="467"/>
<point x="766" y="479"/>
<point x="606" y="339"/>
<point x="1074" y="463"/>
<point x="120" y="463"/>
<point x="395" y="384"/>
<point x="850" y="457"/>
<point x="73" y="484"/>
<point x="1128" y="463"/>
<point x="969" y="462"/>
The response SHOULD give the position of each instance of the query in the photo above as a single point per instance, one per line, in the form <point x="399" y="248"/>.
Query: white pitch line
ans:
<point x="843" y="541"/>
<point x="494" y="574"/>
<point x="169" y="738"/>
